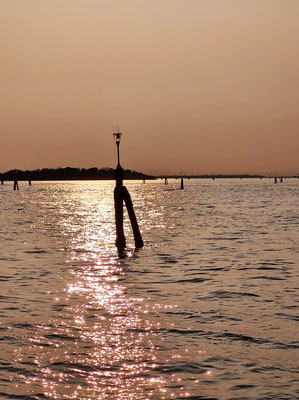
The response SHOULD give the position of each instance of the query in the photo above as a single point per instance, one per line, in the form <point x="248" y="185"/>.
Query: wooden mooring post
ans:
<point x="121" y="196"/>
<point x="129" y="205"/>
<point x="119" y="210"/>
<point x="15" y="185"/>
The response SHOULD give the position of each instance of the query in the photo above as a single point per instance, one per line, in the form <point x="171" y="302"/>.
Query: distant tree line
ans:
<point x="68" y="173"/>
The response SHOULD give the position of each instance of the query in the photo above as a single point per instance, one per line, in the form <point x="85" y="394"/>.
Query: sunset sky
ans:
<point x="201" y="86"/>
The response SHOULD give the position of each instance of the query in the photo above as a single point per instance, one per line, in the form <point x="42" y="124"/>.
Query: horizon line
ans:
<point x="168" y="175"/>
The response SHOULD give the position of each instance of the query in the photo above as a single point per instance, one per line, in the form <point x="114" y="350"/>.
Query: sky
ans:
<point x="202" y="86"/>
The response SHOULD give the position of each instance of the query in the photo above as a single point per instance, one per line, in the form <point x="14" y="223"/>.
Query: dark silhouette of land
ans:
<point x="68" y="173"/>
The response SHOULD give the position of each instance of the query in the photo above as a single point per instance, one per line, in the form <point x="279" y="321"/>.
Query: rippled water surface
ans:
<point x="206" y="310"/>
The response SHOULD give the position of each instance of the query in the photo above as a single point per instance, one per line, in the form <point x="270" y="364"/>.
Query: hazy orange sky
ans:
<point x="201" y="86"/>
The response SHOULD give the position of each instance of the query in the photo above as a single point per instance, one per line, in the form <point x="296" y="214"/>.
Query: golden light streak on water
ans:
<point x="206" y="308"/>
<point x="103" y="337"/>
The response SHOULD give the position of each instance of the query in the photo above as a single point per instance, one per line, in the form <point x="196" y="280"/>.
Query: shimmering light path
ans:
<point x="207" y="310"/>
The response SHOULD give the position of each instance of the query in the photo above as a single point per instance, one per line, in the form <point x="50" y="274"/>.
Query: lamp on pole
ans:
<point x="117" y="136"/>
<point x="121" y="195"/>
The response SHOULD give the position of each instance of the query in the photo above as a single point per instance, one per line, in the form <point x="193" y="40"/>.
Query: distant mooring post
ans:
<point x="182" y="181"/>
<point x="15" y="184"/>
<point x="275" y="179"/>
<point x="122" y="195"/>
<point x="29" y="180"/>
<point x="281" y="179"/>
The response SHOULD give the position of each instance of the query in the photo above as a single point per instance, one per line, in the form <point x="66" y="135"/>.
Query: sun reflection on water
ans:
<point x="81" y="321"/>
<point x="122" y="351"/>
<point x="103" y="340"/>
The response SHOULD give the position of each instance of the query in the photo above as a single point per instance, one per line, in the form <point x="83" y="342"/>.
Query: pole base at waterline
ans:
<point x="119" y="217"/>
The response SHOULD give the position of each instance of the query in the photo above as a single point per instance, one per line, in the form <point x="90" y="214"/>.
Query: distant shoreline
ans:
<point x="225" y="176"/>
<point x="71" y="174"/>
<point x="90" y="174"/>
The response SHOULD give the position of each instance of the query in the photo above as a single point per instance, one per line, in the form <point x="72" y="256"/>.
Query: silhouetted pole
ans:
<point x="182" y="181"/>
<point x="119" y="210"/>
<point x="136" y="232"/>
<point x="275" y="180"/>
<point x="117" y="144"/>
<point x="29" y="181"/>
<point x="15" y="185"/>
<point x="166" y="181"/>
<point x="121" y="194"/>
<point x="281" y="179"/>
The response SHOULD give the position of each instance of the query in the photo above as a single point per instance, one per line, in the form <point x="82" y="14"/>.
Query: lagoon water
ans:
<point x="206" y="310"/>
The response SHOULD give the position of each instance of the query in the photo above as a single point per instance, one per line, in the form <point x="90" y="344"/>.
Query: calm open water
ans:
<point x="206" y="310"/>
